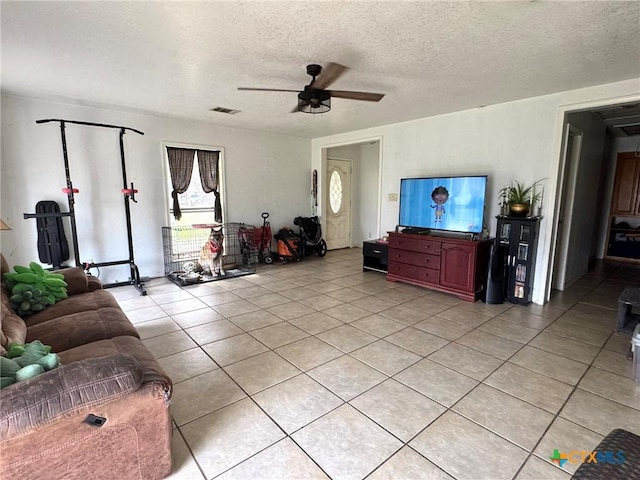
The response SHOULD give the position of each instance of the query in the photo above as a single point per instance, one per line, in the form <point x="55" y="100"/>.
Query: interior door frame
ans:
<point x="569" y="175"/>
<point x="319" y="159"/>
<point x="327" y="208"/>
<point x="550" y="235"/>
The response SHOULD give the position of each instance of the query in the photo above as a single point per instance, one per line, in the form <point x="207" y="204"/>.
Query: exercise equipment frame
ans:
<point x="129" y="194"/>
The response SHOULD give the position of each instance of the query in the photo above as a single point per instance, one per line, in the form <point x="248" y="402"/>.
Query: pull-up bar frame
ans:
<point x="128" y="191"/>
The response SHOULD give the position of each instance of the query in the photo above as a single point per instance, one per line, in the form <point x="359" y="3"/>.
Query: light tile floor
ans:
<point x="319" y="370"/>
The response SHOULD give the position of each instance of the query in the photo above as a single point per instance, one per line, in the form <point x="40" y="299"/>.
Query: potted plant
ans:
<point x="519" y="198"/>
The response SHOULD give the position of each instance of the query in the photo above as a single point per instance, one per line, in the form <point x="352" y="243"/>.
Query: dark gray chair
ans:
<point x="617" y="441"/>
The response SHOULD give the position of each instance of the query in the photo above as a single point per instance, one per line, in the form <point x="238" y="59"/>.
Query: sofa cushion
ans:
<point x="41" y="400"/>
<point x="77" y="329"/>
<point x="82" y="302"/>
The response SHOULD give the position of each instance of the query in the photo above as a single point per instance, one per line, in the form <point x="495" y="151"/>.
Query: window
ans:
<point x="335" y="192"/>
<point x="196" y="205"/>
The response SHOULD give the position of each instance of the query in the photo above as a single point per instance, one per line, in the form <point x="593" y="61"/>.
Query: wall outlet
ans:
<point x="393" y="197"/>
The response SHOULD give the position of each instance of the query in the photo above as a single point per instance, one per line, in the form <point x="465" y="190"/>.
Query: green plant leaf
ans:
<point x="520" y="193"/>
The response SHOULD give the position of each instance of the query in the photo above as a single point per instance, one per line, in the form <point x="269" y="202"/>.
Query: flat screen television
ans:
<point x="443" y="203"/>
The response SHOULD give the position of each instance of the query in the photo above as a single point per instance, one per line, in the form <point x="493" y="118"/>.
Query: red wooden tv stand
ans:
<point x="450" y="265"/>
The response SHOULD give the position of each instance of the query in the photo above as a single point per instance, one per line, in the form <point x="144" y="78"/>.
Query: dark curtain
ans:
<point x="180" y="168"/>
<point x="208" y="166"/>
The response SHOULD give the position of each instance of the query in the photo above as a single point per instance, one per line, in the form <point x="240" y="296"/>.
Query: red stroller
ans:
<point x="256" y="240"/>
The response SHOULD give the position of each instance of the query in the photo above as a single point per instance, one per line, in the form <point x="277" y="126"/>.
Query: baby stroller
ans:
<point x="311" y="235"/>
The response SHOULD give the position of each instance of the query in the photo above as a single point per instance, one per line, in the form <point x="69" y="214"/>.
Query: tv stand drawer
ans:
<point x="374" y="250"/>
<point x="421" y="245"/>
<point x="450" y="265"/>
<point x="420" y="274"/>
<point x="415" y="258"/>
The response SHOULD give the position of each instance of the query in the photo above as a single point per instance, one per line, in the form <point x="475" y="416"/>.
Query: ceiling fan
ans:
<point x="315" y="98"/>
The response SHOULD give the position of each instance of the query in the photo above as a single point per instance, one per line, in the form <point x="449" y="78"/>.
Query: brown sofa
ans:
<point x="106" y="371"/>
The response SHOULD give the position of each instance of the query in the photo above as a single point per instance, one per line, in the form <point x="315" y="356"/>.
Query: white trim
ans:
<point x="379" y="214"/>
<point x="167" y="177"/>
<point x="358" y="141"/>
<point x="604" y="102"/>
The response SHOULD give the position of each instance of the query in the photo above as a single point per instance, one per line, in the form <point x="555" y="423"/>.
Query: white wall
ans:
<point x="345" y="152"/>
<point x="264" y="172"/>
<point x="512" y="141"/>
<point x="368" y="192"/>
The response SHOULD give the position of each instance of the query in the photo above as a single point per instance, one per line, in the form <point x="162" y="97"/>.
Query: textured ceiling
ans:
<point x="184" y="58"/>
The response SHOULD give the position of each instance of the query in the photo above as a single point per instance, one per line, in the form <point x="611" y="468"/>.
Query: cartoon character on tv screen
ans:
<point x="440" y="195"/>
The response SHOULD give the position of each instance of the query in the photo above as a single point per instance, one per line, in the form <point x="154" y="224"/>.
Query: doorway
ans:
<point x="338" y="205"/>
<point x="365" y="157"/>
<point x="591" y="137"/>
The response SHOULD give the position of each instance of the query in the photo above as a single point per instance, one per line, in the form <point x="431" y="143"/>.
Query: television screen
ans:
<point x="443" y="203"/>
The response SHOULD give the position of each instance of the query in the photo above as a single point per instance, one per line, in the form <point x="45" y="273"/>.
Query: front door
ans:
<point x="338" y="204"/>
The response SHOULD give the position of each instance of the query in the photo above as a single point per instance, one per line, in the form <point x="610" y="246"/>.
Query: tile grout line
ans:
<point x="557" y="415"/>
<point x="345" y="402"/>
<point x="388" y="377"/>
<point x="204" y="476"/>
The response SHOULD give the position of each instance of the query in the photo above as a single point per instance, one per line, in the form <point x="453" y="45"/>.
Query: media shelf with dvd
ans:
<point x="518" y="237"/>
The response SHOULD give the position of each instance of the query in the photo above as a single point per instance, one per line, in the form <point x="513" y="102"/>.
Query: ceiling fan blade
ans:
<point x="366" y="96"/>
<point x="268" y="89"/>
<point x="329" y="74"/>
<point x="295" y="109"/>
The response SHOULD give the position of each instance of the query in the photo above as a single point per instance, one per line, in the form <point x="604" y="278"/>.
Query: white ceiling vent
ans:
<point x="228" y="111"/>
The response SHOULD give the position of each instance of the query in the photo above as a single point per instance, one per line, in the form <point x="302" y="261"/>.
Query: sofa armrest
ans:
<point x="93" y="284"/>
<point x="66" y="390"/>
<point x="76" y="280"/>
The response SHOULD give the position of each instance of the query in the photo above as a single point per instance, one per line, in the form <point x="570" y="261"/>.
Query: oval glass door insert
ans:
<point x="335" y="191"/>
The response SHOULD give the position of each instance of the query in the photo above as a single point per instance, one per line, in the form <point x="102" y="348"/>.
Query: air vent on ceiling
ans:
<point x="228" y="111"/>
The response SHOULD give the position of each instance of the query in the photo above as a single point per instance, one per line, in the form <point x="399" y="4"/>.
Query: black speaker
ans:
<point x="494" y="291"/>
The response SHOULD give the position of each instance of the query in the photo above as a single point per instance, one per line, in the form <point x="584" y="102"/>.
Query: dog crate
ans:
<point x="183" y="257"/>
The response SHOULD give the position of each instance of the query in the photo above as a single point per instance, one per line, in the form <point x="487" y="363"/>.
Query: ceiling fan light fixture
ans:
<point x="314" y="101"/>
